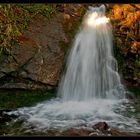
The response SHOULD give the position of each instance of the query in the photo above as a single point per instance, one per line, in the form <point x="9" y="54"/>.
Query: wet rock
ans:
<point x="102" y="126"/>
<point x="115" y="132"/>
<point x="100" y="129"/>
<point x="5" y="117"/>
<point x="130" y="95"/>
<point x="76" y="132"/>
<point x="94" y="134"/>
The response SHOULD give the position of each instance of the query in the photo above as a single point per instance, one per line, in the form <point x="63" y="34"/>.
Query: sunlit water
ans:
<point x="90" y="90"/>
<point x="91" y="70"/>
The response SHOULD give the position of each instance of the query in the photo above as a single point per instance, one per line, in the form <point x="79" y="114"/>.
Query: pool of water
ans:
<point x="55" y="114"/>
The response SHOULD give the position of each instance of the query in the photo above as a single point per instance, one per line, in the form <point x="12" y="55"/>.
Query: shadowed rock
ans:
<point x="5" y="117"/>
<point x="101" y="126"/>
<point x="37" y="59"/>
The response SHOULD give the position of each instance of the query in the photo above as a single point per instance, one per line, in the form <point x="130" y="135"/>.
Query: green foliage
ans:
<point x="43" y="9"/>
<point x="14" y="19"/>
<point x="119" y="58"/>
<point x="134" y="90"/>
<point x="137" y="62"/>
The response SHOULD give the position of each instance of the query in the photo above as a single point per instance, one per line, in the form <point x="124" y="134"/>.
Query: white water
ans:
<point x="90" y="90"/>
<point x="91" y="70"/>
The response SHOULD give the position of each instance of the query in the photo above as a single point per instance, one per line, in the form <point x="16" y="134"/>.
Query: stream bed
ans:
<point x="60" y="120"/>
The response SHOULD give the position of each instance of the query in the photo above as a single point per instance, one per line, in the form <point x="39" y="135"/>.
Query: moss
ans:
<point x="119" y="58"/>
<point x="20" y="98"/>
<point x="135" y="91"/>
<point x="15" y="18"/>
<point x="43" y="9"/>
<point x="17" y="129"/>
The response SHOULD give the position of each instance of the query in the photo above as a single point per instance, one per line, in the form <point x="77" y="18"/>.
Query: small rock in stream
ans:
<point x="4" y="118"/>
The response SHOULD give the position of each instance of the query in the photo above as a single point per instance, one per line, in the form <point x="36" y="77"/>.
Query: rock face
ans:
<point x="36" y="60"/>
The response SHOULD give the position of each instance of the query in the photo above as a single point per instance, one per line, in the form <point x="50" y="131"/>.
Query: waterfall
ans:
<point x="90" y="90"/>
<point x="91" y="70"/>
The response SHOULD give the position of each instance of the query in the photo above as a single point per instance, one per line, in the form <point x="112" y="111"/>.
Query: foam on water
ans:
<point x="61" y="115"/>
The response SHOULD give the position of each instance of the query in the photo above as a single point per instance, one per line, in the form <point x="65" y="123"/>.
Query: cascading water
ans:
<point x="90" y="90"/>
<point x="91" y="68"/>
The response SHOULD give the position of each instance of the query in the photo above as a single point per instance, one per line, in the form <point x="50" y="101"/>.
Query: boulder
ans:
<point x="102" y="126"/>
<point x="36" y="61"/>
<point x="5" y="117"/>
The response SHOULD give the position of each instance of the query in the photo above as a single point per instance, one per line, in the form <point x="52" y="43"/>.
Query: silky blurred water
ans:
<point x="91" y="70"/>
